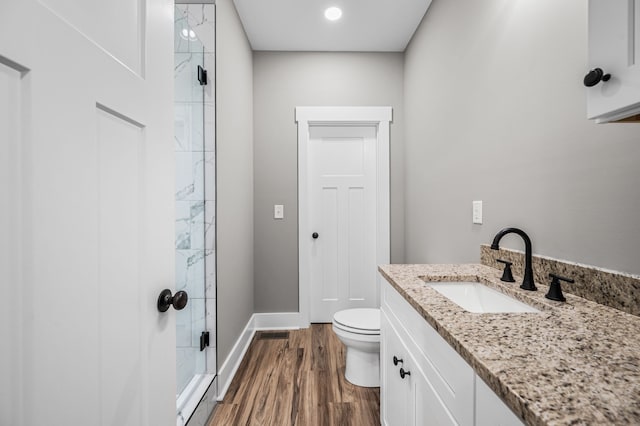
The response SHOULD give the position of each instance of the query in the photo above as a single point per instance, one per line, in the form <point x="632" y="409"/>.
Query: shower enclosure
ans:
<point x="194" y="34"/>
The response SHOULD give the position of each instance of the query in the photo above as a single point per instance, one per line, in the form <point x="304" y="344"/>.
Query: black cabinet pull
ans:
<point x="397" y="360"/>
<point x="595" y="76"/>
<point x="404" y="373"/>
<point x="314" y="235"/>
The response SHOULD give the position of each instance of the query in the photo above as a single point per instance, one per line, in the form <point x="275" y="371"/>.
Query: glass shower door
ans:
<point x="194" y="207"/>
<point x="190" y="222"/>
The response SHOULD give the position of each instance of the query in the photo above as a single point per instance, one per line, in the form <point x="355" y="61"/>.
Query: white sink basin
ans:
<point x="478" y="298"/>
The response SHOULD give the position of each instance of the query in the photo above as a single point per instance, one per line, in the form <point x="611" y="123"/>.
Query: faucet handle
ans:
<point x="507" y="276"/>
<point x="555" y="291"/>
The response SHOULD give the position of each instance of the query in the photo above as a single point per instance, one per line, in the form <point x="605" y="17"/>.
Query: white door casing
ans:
<point x="329" y="119"/>
<point x="86" y="119"/>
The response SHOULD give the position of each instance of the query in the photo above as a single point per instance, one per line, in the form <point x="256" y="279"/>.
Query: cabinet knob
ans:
<point x="315" y="235"/>
<point x="595" y="76"/>
<point x="404" y="373"/>
<point x="397" y="360"/>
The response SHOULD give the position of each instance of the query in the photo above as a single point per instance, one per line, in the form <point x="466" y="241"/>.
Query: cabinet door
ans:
<point x="490" y="410"/>
<point x="394" y="391"/>
<point x="428" y="408"/>
<point x="614" y="46"/>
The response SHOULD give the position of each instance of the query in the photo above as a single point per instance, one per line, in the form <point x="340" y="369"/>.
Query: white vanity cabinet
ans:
<point x="614" y="47"/>
<point x="441" y="388"/>
<point x="407" y="398"/>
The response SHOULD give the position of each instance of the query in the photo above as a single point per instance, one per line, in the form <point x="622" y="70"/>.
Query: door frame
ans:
<point x="336" y="116"/>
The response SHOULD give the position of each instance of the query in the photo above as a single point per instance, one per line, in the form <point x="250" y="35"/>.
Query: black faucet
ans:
<point x="527" y="283"/>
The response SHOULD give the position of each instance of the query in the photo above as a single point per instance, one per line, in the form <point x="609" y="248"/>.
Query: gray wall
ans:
<point x="495" y="111"/>
<point x="234" y="166"/>
<point x="282" y="81"/>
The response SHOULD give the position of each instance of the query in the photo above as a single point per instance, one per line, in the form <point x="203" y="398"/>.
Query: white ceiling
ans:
<point x="300" y="25"/>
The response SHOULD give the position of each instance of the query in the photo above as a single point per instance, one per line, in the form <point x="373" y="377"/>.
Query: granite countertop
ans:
<point x="576" y="362"/>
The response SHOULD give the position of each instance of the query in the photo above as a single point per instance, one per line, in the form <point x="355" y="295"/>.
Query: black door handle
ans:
<point x="178" y="300"/>
<point x="314" y="235"/>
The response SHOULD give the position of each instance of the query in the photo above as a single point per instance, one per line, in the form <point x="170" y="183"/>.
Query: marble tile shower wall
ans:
<point x="194" y="42"/>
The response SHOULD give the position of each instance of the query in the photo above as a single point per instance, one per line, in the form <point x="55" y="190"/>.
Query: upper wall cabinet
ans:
<point x="613" y="84"/>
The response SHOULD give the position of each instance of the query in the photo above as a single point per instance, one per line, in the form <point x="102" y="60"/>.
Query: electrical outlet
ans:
<point x="278" y="211"/>
<point x="477" y="212"/>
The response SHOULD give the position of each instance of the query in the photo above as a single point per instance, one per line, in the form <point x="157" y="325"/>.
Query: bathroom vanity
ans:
<point x="576" y="361"/>
<point x="424" y="380"/>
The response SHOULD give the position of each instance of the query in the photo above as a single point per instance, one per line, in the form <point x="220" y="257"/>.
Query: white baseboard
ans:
<point x="231" y="364"/>
<point x="277" y="321"/>
<point x="261" y="321"/>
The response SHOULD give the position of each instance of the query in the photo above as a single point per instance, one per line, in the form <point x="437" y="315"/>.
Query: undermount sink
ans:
<point x="478" y="298"/>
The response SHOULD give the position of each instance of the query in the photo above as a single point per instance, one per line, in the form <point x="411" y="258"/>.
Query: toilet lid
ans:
<point x="360" y="319"/>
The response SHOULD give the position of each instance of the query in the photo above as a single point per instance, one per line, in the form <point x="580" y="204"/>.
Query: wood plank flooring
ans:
<point x="297" y="380"/>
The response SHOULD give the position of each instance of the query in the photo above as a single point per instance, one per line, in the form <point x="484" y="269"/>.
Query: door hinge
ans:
<point x="202" y="76"/>
<point x="204" y="340"/>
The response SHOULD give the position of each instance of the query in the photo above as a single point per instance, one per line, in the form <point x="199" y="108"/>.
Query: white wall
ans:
<point x="495" y="111"/>
<point x="283" y="81"/>
<point x="234" y="167"/>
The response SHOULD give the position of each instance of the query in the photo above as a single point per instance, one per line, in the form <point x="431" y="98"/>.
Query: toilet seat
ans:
<point x="364" y="321"/>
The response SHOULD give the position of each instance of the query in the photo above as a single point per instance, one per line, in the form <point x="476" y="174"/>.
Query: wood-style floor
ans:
<point x="296" y="380"/>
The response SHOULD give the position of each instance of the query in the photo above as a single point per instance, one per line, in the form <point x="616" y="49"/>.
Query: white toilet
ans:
<point x="359" y="330"/>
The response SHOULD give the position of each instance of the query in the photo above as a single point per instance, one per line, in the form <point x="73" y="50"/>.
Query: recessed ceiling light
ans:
<point x="333" y="13"/>
<point x="188" y="34"/>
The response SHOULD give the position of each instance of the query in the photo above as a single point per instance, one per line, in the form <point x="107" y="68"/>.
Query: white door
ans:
<point x="86" y="159"/>
<point x="342" y="214"/>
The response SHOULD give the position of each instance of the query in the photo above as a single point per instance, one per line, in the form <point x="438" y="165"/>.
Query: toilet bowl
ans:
<point x="359" y="330"/>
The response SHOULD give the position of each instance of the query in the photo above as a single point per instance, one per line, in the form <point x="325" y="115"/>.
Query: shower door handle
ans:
<point x="178" y="300"/>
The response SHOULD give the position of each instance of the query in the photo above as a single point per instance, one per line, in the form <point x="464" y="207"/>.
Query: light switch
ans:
<point x="278" y="211"/>
<point x="477" y="212"/>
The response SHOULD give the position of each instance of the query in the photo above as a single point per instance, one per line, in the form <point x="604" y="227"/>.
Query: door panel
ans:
<point x="120" y="155"/>
<point x="343" y="211"/>
<point x="358" y="289"/>
<point x="95" y="230"/>
<point x="94" y="20"/>
<point x="339" y="156"/>
<point x="329" y="274"/>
